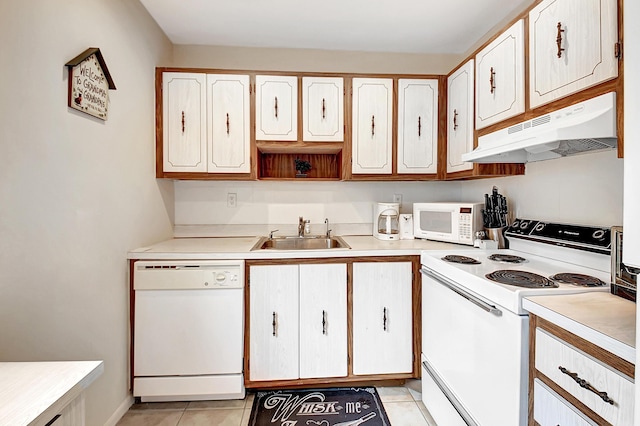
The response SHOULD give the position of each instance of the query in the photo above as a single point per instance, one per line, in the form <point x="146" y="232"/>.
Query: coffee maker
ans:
<point x="386" y="225"/>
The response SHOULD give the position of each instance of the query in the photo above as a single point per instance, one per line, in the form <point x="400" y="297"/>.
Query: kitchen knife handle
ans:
<point x="274" y="323"/>
<point x="559" y="40"/>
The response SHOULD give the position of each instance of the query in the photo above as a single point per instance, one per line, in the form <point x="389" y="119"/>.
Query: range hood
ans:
<point x="584" y="127"/>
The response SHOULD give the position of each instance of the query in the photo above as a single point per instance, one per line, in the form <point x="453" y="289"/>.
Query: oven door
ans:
<point x="477" y="350"/>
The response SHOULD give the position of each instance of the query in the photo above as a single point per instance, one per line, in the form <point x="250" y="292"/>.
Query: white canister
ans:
<point x="406" y="226"/>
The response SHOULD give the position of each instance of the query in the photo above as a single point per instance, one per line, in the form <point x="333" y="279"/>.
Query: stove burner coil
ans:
<point x="578" y="279"/>
<point x="453" y="258"/>
<point x="507" y="258"/>
<point x="521" y="279"/>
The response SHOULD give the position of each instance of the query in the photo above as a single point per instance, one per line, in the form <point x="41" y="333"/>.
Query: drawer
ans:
<point x="551" y="409"/>
<point x="553" y="354"/>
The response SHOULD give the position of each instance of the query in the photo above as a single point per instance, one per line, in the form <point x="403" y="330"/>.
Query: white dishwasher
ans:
<point x="188" y="330"/>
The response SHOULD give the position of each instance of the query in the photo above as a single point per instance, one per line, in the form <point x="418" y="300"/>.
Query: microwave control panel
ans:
<point x="465" y="221"/>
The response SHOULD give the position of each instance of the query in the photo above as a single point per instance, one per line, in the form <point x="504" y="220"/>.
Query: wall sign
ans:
<point x="89" y="83"/>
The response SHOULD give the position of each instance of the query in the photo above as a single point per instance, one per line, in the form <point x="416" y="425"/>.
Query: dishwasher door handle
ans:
<point x="446" y="282"/>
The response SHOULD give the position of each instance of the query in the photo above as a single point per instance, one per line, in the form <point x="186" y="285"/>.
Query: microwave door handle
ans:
<point x="455" y="288"/>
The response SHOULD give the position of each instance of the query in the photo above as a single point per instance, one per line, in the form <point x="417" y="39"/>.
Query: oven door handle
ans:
<point x="440" y="279"/>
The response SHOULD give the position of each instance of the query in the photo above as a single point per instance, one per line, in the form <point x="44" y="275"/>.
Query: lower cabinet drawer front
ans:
<point x="549" y="409"/>
<point x="553" y="353"/>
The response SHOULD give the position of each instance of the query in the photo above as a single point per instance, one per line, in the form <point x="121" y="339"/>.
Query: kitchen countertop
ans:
<point x="240" y="248"/>
<point x="32" y="393"/>
<point x="604" y="319"/>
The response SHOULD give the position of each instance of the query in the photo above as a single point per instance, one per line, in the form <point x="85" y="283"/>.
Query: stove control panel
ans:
<point x="590" y="238"/>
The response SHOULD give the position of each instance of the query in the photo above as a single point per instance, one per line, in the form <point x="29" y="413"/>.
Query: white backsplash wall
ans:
<point x="347" y="205"/>
<point x="583" y="189"/>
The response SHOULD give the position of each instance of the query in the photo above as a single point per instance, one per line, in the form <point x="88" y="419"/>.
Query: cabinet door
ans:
<point x="184" y="140"/>
<point x="382" y="318"/>
<point x="323" y="109"/>
<point x="500" y="77"/>
<point x="460" y="117"/>
<point x="228" y="123"/>
<point x="323" y="320"/>
<point x="273" y="322"/>
<point x="372" y="125"/>
<point x="572" y="47"/>
<point x="417" y="126"/>
<point x="276" y="108"/>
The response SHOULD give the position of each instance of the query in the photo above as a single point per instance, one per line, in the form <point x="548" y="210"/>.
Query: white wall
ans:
<point x="76" y="193"/>
<point x="584" y="189"/>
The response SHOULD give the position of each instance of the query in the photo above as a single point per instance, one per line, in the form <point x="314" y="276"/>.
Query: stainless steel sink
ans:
<point x="300" y="243"/>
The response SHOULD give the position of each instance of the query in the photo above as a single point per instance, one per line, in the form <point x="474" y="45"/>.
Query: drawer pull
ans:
<point x="559" y="39"/>
<point x="584" y="384"/>
<point x="492" y="81"/>
<point x="324" y="322"/>
<point x="274" y="324"/>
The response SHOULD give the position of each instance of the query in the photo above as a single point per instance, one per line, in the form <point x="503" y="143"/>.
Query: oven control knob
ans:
<point x="599" y="234"/>
<point x="220" y="277"/>
<point x="539" y="227"/>
<point x="524" y="224"/>
<point x="515" y="224"/>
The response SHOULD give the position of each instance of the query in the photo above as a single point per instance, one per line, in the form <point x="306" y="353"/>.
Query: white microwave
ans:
<point x="449" y="222"/>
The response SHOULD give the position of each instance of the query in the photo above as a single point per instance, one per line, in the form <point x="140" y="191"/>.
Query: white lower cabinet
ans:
<point x="298" y="321"/>
<point x="382" y="318"/>
<point x="273" y="322"/>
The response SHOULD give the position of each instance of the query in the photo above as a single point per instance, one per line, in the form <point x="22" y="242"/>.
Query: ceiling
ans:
<point x="406" y="26"/>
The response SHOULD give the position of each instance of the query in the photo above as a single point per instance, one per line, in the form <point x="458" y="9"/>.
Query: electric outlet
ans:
<point x="397" y="198"/>
<point x="232" y="199"/>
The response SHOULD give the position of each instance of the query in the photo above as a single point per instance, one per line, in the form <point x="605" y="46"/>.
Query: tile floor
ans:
<point x="402" y="404"/>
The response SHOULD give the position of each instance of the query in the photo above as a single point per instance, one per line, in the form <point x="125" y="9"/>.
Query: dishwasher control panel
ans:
<point x="180" y="275"/>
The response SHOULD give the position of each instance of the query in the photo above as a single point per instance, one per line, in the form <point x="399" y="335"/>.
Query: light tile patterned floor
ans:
<point x="402" y="404"/>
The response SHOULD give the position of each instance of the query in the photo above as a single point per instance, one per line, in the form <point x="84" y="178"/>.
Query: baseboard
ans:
<point x="120" y="411"/>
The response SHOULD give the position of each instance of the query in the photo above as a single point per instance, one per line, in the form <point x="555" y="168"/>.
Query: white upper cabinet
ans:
<point x="276" y="108"/>
<point x="572" y="47"/>
<point x="372" y="126"/>
<point x="417" y="126"/>
<point x="323" y="109"/>
<point x="500" y="77"/>
<point x="228" y="123"/>
<point x="184" y="126"/>
<point x="460" y="117"/>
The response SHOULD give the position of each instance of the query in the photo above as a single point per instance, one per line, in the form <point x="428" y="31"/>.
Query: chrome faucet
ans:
<point x="302" y="226"/>
<point x="328" y="231"/>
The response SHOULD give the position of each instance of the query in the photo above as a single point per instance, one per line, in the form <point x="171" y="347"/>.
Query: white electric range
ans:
<point x="475" y="332"/>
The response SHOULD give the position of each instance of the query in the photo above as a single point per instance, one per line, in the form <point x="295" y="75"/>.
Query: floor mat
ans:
<point x="319" y="407"/>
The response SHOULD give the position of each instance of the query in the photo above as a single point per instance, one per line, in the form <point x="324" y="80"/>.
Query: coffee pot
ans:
<point x="386" y="225"/>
